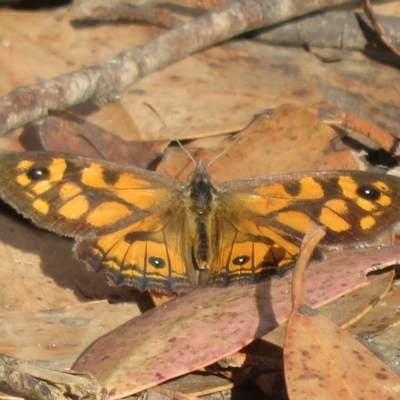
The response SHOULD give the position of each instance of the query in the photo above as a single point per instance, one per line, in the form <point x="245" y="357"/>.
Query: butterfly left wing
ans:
<point x="125" y="220"/>
<point x="262" y="221"/>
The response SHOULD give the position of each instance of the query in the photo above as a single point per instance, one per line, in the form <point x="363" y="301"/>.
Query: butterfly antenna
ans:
<point x="166" y="127"/>
<point x="237" y="138"/>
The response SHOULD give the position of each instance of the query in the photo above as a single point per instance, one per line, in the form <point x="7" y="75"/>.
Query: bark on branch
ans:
<point x="106" y="81"/>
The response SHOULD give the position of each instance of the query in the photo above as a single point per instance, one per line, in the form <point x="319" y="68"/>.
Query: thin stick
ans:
<point x="105" y="82"/>
<point x="308" y="245"/>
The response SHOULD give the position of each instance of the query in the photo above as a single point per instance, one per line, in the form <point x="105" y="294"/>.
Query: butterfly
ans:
<point x="151" y="231"/>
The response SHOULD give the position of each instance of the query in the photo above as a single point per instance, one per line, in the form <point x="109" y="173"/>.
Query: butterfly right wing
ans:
<point x="262" y="221"/>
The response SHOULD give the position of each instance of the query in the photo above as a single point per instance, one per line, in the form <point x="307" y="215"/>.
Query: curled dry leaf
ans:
<point x="68" y="133"/>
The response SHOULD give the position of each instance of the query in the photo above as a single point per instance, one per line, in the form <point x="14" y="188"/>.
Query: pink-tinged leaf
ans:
<point x="322" y="361"/>
<point x="207" y="324"/>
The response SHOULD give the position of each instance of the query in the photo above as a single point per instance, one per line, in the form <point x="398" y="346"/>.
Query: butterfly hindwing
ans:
<point x="149" y="254"/>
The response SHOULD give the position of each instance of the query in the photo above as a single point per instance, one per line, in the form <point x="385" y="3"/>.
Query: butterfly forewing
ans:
<point x="355" y="207"/>
<point x="77" y="196"/>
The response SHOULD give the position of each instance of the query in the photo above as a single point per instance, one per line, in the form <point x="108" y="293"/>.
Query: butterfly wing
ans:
<point x="125" y="220"/>
<point x="262" y="221"/>
<point x="151" y="253"/>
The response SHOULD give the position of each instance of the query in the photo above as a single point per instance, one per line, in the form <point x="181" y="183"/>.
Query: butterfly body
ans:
<point x="151" y="231"/>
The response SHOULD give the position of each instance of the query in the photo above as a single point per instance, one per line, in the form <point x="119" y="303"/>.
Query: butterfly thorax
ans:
<point x="201" y="193"/>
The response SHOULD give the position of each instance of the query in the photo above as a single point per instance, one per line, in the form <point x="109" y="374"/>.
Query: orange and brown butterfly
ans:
<point x="151" y="231"/>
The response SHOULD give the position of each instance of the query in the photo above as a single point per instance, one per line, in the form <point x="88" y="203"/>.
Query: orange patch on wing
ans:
<point x="278" y="238"/>
<point x="367" y="222"/>
<point x="143" y="199"/>
<point x="310" y="189"/>
<point x="261" y="254"/>
<point x="129" y="181"/>
<point x="75" y="208"/>
<point x="383" y="200"/>
<point x="107" y="213"/>
<point x="295" y="219"/>
<point x="23" y="180"/>
<point x="24" y="164"/>
<point x="136" y="255"/>
<point x="113" y="245"/>
<point x="337" y="205"/>
<point x="275" y="190"/>
<point x="332" y="221"/>
<point x="252" y="227"/>
<point x="118" y="251"/>
<point x="178" y="266"/>
<point x="262" y="205"/>
<point x="93" y="176"/>
<point x="42" y="187"/>
<point x="69" y="190"/>
<point x="41" y="206"/>
<point x="107" y="242"/>
<point x="57" y="169"/>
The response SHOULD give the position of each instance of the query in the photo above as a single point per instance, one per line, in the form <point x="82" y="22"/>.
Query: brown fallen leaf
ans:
<point x="384" y="316"/>
<point x="65" y="131"/>
<point x="322" y="361"/>
<point x="285" y="131"/>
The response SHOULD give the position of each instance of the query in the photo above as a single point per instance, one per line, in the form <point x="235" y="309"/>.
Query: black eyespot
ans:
<point x="38" y="174"/>
<point x="241" y="260"/>
<point x="157" y="262"/>
<point x="369" y="193"/>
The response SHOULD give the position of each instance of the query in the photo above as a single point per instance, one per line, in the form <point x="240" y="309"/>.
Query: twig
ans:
<point x="160" y="16"/>
<point x="334" y="29"/>
<point x="35" y="382"/>
<point x="369" y="12"/>
<point x="308" y="245"/>
<point x="105" y="82"/>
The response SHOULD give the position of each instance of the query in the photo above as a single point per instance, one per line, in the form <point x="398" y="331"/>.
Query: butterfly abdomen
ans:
<point x="201" y="198"/>
<point x="202" y="245"/>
